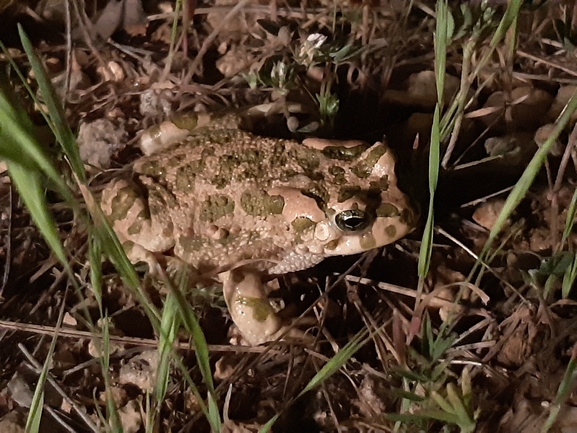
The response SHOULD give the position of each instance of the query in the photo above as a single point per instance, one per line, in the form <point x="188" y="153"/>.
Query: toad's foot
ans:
<point x="251" y="310"/>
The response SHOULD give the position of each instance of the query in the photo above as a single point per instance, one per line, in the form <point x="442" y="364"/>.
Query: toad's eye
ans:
<point x="352" y="220"/>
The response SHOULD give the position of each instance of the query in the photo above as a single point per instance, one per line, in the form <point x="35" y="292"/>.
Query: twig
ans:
<point x="72" y="333"/>
<point x="8" y="245"/>
<point x="38" y="368"/>
<point x="208" y="42"/>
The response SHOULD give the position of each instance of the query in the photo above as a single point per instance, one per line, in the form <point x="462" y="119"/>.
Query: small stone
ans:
<point x="20" y="391"/>
<point x="543" y="134"/>
<point x="225" y="367"/>
<point x="561" y="99"/>
<point x="487" y="213"/>
<point x="99" y="140"/>
<point x="529" y="107"/>
<point x="130" y="417"/>
<point x="141" y="370"/>
<point x="422" y="91"/>
<point x="13" y="422"/>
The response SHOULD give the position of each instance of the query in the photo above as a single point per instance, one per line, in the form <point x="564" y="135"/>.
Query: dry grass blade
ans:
<point x="529" y="174"/>
<point x="37" y="405"/>
<point x="176" y="312"/>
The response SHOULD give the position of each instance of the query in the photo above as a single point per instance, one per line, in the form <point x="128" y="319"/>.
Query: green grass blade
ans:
<point x="434" y="157"/>
<point x="442" y="402"/>
<point x="331" y="367"/>
<point x="268" y="425"/>
<point x="112" y="415"/>
<point x="17" y="143"/>
<point x="192" y="325"/>
<point x="511" y="15"/>
<point x="528" y="176"/>
<point x="35" y="413"/>
<point x="113" y="249"/>
<point x="569" y="278"/>
<point x="565" y="389"/>
<point x="441" y="40"/>
<point x="57" y="120"/>
<point x="95" y="260"/>
<point x="459" y="408"/>
<point x="570" y="220"/>
<point x="108" y="240"/>
<point x="168" y="331"/>
<point x="14" y="129"/>
<point x="29" y="186"/>
<point x="335" y="363"/>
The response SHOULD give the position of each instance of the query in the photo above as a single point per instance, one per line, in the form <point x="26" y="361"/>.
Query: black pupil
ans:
<point x="353" y="222"/>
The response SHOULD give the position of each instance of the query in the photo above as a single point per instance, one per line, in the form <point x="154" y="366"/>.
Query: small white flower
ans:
<point x="316" y="40"/>
<point x="279" y="71"/>
<point x="281" y="76"/>
<point x="310" y="48"/>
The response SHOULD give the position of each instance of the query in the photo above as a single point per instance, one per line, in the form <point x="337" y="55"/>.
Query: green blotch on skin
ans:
<point x="187" y="121"/>
<point x="227" y="162"/>
<point x="391" y="231"/>
<point x="233" y="239"/>
<point x="387" y="210"/>
<point x="252" y="156"/>
<point x="382" y="184"/>
<point x="319" y="193"/>
<point x="409" y="217"/>
<point x="365" y="167"/>
<point x="206" y="152"/>
<point x="160" y="200"/>
<point x="185" y="175"/>
<point x="316" y="176"/>
<point x="136" y="227"/>
<point x="192" y="244"/>
<point x="215" y="207"/>
<point x="302" y="224"/>
<point x="343" y="153"/>
<point x="122" y="202"/>
<point x="347" y="192"/>
<point x="375" y="154"/>
<point x="288" y="175"/>
<point x="260" y="309"/>
<point x="338" y="174"/>
<point x="260" y="203"/>
<point x="332" y="244"/>
<point x="151" y="168"/>
<point x="307" y="158"/>
<point x="361" y="171"/>
<point x="175" y="160"/>
<point x="220" y="181"/>
<point x="246" y="165"/>
<point x="184" y="178"/>
<point x="223" y="122"/>
<point x="155" y="209"/>
<point x="367" y="241"/>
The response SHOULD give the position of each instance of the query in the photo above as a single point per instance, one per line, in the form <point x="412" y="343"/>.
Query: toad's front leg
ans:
<point x="140" y="217"/>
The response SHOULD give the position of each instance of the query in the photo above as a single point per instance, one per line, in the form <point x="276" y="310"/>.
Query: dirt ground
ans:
<point x="483" y="341"/>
